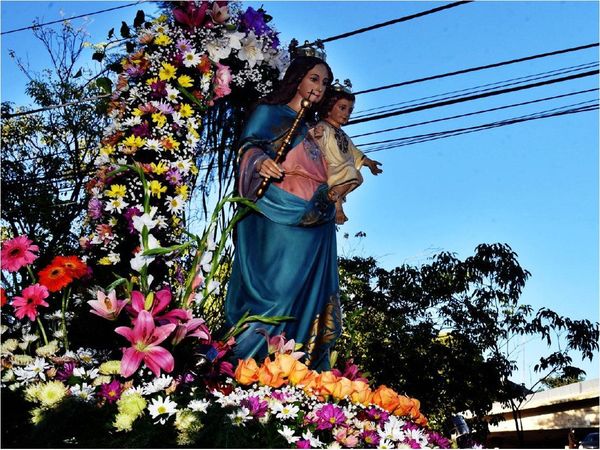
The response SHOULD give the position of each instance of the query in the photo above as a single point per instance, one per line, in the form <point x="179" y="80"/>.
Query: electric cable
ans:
<point x="473" y="69"/>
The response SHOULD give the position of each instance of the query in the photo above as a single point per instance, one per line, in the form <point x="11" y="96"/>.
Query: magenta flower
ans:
<point x="17" y="253"/>
<point x="157" y="303"/>
<point x="351" y="371"/>
<point x="303" y="443"/>
<point x="145" y="337"/>
<point x="111" y="391"/>
<point x="95" y="208"/>
<point x="377" y="415"/>
<point x="66" y="372"/>
<point x="329" y="416"/>
<point x="256" y="407"/>
<point x="184" y="46"/>
<point x="107" y="306"/>
<point x="32" y="297"/>
<point x="173" y="176"/>
<point x="193" y="16"/>
<point x="370" y="437"/>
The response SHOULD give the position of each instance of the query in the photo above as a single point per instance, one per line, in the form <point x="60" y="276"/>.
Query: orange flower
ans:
<point x="299" y="374"/>
<point x="361" y="393"/>
<point x="246" y="371"/>
<point x="386" y="398"/>
<point x="286" y="363"/>
<point x="75" y="266"/>
<point x="421" y="420"/>
<point x="55" y="277"/>
<point x="407" y="407"/>
<point x="342" y="388"/>
<point x="269" y="374"/>
<point x="204" y="65"/>
<point x="326" y="382"/>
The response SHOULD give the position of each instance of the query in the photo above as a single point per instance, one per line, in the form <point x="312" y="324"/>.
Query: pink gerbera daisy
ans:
<point x="32" y="297"/>
<point x="17" y="252"/>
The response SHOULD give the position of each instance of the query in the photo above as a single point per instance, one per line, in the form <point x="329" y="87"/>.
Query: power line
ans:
<point x="385" y="24"/>
<point x="475" y="89"/>
<point x="473" y="69"/>
<point x="39" y="25"/>
<point x="48" y="108"/>
<point x="474" y="113"/>
<point x="456" y="132"/>
<point x="471" y="97"/>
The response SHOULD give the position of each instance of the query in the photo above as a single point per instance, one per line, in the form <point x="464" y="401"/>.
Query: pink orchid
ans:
<point x="218" y="13"/>
<point x="145" y="337"/>
<point x="154" y="303"/>
<point x="107" y="306"/>
<point x="351" y="371"/>
<point x="193" y="16"/>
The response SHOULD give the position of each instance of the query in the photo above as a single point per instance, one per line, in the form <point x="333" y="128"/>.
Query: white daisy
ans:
<point x="199" y="405"/>
<point x="191" y="59"/>
<point x="83" y="392"/>
<point x="286" y="411"/>
<point x="288" y="434"/>
<point x="240" y="416"/>
<point x="162" y="409"/>
<point x="116" y="204"/>
<point x="174" y="204"/>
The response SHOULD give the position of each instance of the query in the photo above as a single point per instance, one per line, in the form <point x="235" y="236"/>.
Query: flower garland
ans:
<point x="183" y="63"/>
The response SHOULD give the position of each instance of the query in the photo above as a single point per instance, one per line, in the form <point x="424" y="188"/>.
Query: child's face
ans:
<point x="341" y="111"/>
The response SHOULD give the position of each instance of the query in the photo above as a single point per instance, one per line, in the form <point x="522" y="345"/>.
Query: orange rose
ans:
<point x="421" y="420"/>
<point x="246" y="371"/>
<point x="299" y="373"/>
<point x="386" y="398"/>
<point x="286" y="363"/>
<point x="326" y="382"/>
<point x="361" y="393"/>
<point x="269" y="374"/>
<point x="342" y="388"/>
<point x="405" y="406"/>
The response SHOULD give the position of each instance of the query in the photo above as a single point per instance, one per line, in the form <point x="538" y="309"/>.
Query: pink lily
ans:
<point x="218" y="13"/>
<point x="187" y="326"/>
<point x="145" y="337"/>
<point x="278" y="344"/>
<point x="158" y="303"/>
<point x="192" y="16"/>
<point x="107" y="306"/>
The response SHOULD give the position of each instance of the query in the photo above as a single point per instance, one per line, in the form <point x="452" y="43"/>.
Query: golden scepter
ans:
<point x="281" y="153"/>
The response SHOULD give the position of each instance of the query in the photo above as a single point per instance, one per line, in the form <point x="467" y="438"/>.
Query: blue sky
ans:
<point x="532" y="185"/>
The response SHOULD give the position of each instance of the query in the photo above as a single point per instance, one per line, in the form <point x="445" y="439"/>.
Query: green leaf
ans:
<point x="105" y="84"/>
<point x="139" y="20"/>
<point x="125" y="32"/>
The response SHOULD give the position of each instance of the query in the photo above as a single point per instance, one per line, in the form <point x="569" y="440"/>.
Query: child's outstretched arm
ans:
<point x="372" y="165"/>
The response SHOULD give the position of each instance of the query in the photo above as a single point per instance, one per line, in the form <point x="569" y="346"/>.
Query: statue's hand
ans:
<point x="270" y="169"/>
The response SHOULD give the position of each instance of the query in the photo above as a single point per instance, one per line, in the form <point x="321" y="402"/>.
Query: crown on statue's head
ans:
<point x="346" y="87"/>
<point x="307" y="49"/>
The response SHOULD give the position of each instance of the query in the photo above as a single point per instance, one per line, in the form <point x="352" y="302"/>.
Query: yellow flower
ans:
<point x="167" y="72"/>
<point x="131" y="404"/>
<point x="185" y="81"/>
<point x="134" y="141"/>
<point x="137" y="112"/>
<point x="9" y="346"/>
<point x="112" y="367"/>
<point x="156" y="189"/>
<point x="101" y="379"/>
<point x="175" y="220"/>
<point x="149" y="81"/>
<point x="162" y="39"/>
<point x="51" y="393"/>
<point x="159" y="119"/>
<point x="32" y="392"/>
<point x="194" y="169"/>
<point x="105" y="261"/>
<point x="193" y="132"/>
<point x="116" y="190"/>
<point x="160" y="19"/>
<point x="169" y="143"/>
<point x="21" y="360"/>
<point x="49" y="349"/>
<point x="107" y="150"/>
<point x="37" y="415"/>
<point x="185" y="110"/>
<point x="159" y="168"/>
<point x="182" y="191"/>
<point x="123" y="422"/>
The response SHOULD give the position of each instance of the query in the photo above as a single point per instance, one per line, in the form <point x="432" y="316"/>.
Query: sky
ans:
<point x="532" y="185"/>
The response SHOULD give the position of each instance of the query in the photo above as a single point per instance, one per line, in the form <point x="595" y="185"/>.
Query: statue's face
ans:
<point x="313" y="85"/>
<point x="340" y="113"/>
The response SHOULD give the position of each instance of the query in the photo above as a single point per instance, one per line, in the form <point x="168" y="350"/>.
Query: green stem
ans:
<point x="31" y="274"/>
<point x="65" y="304"/>
<point x="39" y="322"/>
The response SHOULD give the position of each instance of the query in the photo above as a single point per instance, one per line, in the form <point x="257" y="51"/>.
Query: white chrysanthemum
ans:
<point x="315" y="442"/>
<point x="392" y="431"/>
<point x="174" y="204"/>
<point x="116" y="204"/>
<point x="82" y="373"/>
<point x="172" y="93"/>
<point x="288" y="434"/>
<point x="199" y="405"/>
<point x="240" y="416"/>
<point x="132" y="121"/>
<point x="86" y="355"/>
<point x="384" y="443"/>
<point x="218" y="49"/>
<point x="158" y="384"/>
<point x="286" y="411"/>
<point x="191" y="59"/>
<point x="417" y="435"/>
<point x="28" y="338"/>
<point x="153" y="144"/>
<point x="162" y="409"/>
<point x="83" y="392"/>
<point x="23" y="375"/>
<point x="38" y="367"/>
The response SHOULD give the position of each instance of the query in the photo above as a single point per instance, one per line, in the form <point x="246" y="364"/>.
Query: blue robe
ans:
<point x="285" y="261"/>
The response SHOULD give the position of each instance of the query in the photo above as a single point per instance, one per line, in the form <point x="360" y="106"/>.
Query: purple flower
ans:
<point x="95" y="208"/>
<point x="186" y="378"/>
<point x="410" y="426"/>
<point x="377" y="415"/>
<point x="173" y="177"/>
<point x="255" y="20"/>
<point x="329" y="416"/>
<point x="142" y="130"/>
<point x="66" y="372"/>
<point x="274" y="39"/>
<point x="184" y="46"/>
<point x="412" y="443"/>
<point x="437" y="440"/>
<point x="303" y="443"/>
<point x="159" y="89"/>
<point x="130" y="213"/>
<point x="111" y="391"/>
<point x="278" y="395"/>
<point x="177" y="60"/>
<point x="164" y="108"/>
<point x="370" y="437"/>
<point x="255" y="406"/>
<point x="135" y="71"/>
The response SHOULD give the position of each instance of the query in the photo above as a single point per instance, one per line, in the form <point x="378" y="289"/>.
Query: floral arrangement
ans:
<point x="181" y="65"/>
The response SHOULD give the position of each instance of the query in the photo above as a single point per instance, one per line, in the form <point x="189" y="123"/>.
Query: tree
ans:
<point x="48" y="155"/>
<point x="442" y="332"/>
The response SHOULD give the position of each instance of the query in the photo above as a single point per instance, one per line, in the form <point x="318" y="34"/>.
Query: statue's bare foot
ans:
<point x="340" y="217"/>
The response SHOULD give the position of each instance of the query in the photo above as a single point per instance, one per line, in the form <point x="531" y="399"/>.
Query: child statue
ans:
<point x="344" y="160"/>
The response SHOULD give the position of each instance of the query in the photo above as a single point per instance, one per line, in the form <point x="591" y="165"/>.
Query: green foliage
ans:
<point x="442" y="332"/>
